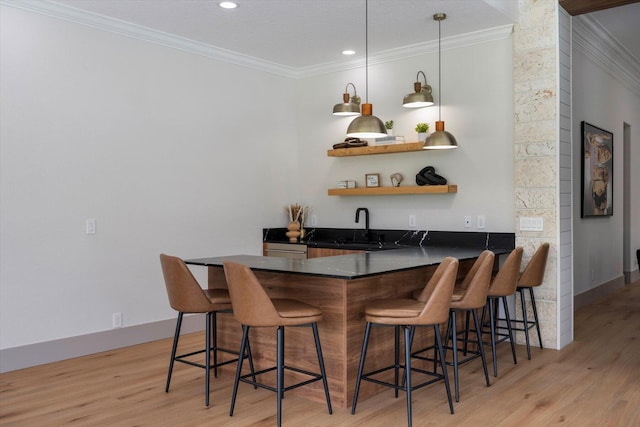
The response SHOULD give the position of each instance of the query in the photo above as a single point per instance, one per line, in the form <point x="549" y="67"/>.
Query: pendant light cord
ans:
<point x="439" y="73"/>
<point x="366" y="49"/>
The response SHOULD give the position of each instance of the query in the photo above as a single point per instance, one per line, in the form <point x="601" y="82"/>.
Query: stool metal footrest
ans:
<point x="316" y="377"/>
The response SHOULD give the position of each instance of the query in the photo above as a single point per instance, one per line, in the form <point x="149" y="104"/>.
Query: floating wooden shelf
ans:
<point x="376" y="149"/>
<point x="379" y="191"/>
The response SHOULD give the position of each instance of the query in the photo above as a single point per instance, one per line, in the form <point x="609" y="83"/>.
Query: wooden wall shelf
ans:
<point x="378" y="191"/>
<point x="376" y="149"/>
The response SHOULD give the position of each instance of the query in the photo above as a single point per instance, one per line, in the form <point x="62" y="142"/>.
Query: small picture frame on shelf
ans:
<point x="373" y="179"/>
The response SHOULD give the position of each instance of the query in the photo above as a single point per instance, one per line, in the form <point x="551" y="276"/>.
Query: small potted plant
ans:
<point x="389" y="126"/>
<point x="422" y="129"/>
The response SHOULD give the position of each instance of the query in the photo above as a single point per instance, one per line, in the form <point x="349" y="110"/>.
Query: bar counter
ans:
<point x="340" y="286"/>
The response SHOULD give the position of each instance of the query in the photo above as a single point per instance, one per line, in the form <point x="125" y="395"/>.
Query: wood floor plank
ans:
<point x="594" y="381"/>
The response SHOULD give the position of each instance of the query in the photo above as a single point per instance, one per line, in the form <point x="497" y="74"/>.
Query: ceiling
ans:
<point x="305" y="33"/>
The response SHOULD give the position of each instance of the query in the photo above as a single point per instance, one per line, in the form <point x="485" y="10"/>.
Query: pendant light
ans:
<point x="440" y="139"/>
<point x="350" y="105"/>
<point x="367" y="125"/>
<point x="421" y="97"/>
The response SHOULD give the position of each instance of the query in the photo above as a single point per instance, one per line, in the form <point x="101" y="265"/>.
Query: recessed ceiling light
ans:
<point x="348" y="52"/>
<point x="227" y="5"/>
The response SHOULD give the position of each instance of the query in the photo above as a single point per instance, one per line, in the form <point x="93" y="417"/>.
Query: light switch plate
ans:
<point x="531" y="223"/>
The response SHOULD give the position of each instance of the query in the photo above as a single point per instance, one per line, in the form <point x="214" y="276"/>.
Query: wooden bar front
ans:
<point x="341" y="331"/>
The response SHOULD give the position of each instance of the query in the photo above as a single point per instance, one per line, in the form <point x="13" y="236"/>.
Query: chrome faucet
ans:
<point x="366" y="221"/>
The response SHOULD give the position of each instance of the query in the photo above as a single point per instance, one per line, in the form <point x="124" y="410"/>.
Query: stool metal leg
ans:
<point x="492" y="326"/>
<point x="509" y="329"/>
<point x="280" y="371"/>
<point x="207" y="360"/>
<point x="480" y="345"/>
<point x="452" y="325"/>
<point x="407" y="371"/>
<point x="396" y="369"/>
<point x="214" y="332"/>
<point x="363" y="355"/>
<point x="243" y="345"/>
<point x="535" y="315"/>
<point x="526" y="324"/>
<point x="443" y="364"/>
<point x="176" y="337"/>
<point x="323" y="372"/>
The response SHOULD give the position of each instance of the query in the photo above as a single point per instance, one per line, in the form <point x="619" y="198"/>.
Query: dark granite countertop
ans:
<point x="379" y="239"/>
<point x="352" y="266"/>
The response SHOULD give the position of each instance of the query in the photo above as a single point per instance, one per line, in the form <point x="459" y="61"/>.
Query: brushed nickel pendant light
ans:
<point x="367" y="125"/>
<point x="350" y="105"/>
<point x="440" y="139"/>
<point x="421" y="97"/>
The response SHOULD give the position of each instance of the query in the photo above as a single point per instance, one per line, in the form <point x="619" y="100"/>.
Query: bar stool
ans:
<point x="469" y="296"/>
<point x="531" y="277"/>
<point x="252" y="307"/>
<point x="186" y="296"/>
<point x="503" y="285"/>
<point x="407" y="314"/>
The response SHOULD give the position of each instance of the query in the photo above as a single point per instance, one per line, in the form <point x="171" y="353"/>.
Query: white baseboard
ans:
<point x="631" y="276"/>
<point x="26" y="356"/>
<point x="599" y="292"/>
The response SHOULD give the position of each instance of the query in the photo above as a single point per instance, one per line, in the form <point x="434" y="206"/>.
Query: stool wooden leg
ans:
<point x="363" y="355"/>
<point x="176" y="337"/>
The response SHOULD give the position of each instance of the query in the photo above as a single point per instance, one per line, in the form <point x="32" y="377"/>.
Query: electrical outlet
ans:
<point x="90" y="226"/>
<point x="117" y="320"/>
<point x="480" y="221"/>
<point x="412" y="221"/>
<point x="467" y="221"/>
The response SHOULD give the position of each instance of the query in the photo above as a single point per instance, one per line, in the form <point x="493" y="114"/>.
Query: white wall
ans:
<point x="601" y="100"/>
<point x="477" y="109"/>
<point x="162" y="148"/>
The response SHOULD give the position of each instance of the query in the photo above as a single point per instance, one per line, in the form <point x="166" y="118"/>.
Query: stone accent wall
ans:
<point x="536" y="138"/>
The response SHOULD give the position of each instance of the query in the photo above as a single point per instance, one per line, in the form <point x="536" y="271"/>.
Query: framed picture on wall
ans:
<point x="373" y="179"/>
<point x="597" y="171"/>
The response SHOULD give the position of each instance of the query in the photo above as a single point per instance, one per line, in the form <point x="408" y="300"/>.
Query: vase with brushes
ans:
<point x="295" y="228"/>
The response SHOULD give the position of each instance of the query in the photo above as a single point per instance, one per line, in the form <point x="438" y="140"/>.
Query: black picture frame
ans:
<point x="596" y="153"/>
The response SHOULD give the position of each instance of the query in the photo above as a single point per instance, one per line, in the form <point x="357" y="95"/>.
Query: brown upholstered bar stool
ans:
<point x="186" y="296"/>
<point x="531" y="277"/>
<point x="252" y="307"/>
<point x="469" y="296"/>
<point x="432" y="310"/>
<point x="503" y="285"/>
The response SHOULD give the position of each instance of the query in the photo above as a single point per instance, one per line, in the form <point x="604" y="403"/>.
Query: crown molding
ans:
<point x="454" y="42"/>
<point x="78" y="16"/>
<point x="593" y="40"/>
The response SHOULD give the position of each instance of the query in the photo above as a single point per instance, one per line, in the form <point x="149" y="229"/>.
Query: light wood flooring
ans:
<point x="594" y="381"/>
